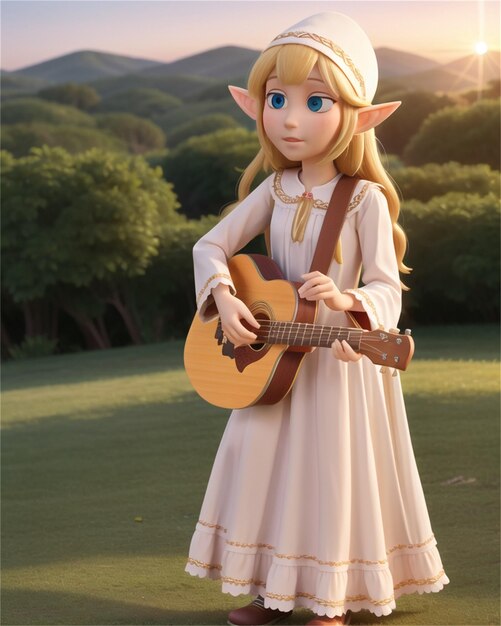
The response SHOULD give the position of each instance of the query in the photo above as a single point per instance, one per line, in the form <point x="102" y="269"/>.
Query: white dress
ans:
<point x="316" y="501"/>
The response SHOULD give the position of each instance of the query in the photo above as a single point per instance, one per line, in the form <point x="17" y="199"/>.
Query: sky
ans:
<point x="33" y="31"/>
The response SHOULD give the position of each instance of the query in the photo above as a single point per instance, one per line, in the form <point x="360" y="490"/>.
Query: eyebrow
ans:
<point x="317" y="79"/>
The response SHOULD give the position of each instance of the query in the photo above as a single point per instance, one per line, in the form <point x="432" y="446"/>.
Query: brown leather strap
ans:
<point x="332" y="224"/>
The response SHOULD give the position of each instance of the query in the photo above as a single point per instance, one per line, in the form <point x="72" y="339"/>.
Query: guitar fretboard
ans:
<point x="303" y="334"/>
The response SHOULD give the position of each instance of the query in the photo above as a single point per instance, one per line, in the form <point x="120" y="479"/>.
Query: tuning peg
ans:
<point x="395" y="372"/>
<point x="383" y="369"/>
<point x="395" y="331"/>
<point x="407" y="331"/>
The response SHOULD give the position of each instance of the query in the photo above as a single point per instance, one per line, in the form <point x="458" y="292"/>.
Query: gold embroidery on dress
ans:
<point x="213" y="525"/>
<point x="204" y="565"/>
<point x="334" y="47"/>
<point x="200" y="293"/>
<point x="250" y="545"/>
<point x="333" y="603"/>
<point x="420" y="581"/>
<point x="303" y="594"/>
<point x="238" y="581"/>
<point x="330" y="563"/>
<point x="411" y="545"/>
<point x="239" y="544"/>
<point x="366" y="297"/>
<point x="317" y="204"/>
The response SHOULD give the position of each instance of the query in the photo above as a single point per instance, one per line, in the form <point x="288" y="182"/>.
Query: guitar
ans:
<point x="264" y="372"/>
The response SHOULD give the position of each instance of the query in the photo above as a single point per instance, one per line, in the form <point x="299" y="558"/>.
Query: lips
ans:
<point x="292" y="139"/>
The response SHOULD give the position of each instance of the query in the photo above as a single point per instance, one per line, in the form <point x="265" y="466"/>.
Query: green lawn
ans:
<point x="105" y="459"/>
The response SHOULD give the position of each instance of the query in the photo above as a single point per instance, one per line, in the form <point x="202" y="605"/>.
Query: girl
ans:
<point x="316" y="500"/>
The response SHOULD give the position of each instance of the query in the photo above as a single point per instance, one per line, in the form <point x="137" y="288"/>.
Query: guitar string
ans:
<point x="281" y="328"/>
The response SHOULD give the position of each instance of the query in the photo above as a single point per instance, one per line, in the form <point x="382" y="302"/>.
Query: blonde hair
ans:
<point x="352" y="154"/>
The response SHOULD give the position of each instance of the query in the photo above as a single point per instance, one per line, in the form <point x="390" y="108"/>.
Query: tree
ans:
<point x="400" y="127"/>
<point x="20" y="138"/>
<point x="138" y="134"/>
<point x="202" y="125"/>
<point x="205" y="170"/>
<point x="143" y="102"/>
<point x="82" y="226"/>
<point x="425" y="182"/>
<point x="465" y="134"/>
<point x="79" y="96"/>
<point x="31" y="110"/>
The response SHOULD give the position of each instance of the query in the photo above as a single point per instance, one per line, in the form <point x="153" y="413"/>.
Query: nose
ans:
<point x="291" y="118"/>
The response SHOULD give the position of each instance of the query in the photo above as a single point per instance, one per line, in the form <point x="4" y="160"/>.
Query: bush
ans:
<point x="36" y="346"/>
<point x="205" y="170"/>
<point x="454" y="250"/>
<point x="468" y="135"/>
<point x="423" y="183"/>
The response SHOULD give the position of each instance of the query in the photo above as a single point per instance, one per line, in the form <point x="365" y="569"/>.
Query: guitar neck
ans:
<point x="303" y="334"/>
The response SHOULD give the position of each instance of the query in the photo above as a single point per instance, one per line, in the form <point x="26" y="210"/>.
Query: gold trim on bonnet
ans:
<point x="334" y="47"/>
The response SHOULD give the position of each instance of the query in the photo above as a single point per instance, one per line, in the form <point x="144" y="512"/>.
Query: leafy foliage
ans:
<point x="94" y="216"/>
<point x="30" y="110"/>
<point x="454" y="250"/>
<point x="20" y="138"/>
<point x="143" y="102"/>
<point x="205" y="170"/>
<point x="430" y="180"/>
<point x="79" y="96"/>
<point x="465" y="134"/>
<point x="201" y="126"/>
<point x="34" y="347"/>
<point x="139" y="135"/>
<point x="400" y="127"/>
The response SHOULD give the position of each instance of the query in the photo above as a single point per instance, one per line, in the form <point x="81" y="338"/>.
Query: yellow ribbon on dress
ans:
<point x="301" y="219"/>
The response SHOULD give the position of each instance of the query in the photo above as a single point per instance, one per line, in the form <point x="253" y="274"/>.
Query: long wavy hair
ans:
<point x="352" y="154"/>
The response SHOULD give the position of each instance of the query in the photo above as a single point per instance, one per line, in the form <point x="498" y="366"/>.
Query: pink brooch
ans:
<point x="307" y="194"/>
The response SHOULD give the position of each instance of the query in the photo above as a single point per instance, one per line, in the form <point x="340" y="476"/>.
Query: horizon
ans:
<point x="89" y="22"/>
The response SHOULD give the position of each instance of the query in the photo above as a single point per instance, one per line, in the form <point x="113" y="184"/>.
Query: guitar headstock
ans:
<point x="388" y="347"/>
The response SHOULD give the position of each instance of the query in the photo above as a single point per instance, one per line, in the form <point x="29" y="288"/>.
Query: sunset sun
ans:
<point x="480" y="47"/>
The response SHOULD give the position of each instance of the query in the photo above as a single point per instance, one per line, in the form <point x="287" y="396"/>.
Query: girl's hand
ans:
<point x="231" y="309"/>
<point x="318" y="286"/>
<point x="344" y="351"/>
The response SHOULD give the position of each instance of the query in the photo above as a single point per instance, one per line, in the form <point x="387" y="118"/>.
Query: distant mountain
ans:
<point x="84" y="66"/>
<point x="459" y="75"/>
<point x="216" y="63"/>
<point x="393" y="63"/>
<point x="205" y="73"/>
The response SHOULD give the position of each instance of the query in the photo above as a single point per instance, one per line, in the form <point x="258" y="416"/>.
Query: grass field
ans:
<point x="105" y="459"/>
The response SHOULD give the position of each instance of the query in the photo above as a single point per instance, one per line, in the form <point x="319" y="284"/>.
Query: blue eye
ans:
<point x="320" y="104"/>
<point x="276" y="100"/>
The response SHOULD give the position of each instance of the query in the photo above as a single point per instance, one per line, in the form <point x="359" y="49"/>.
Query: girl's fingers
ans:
<point x="352" y="355"/>
<point x="344" y="351"/>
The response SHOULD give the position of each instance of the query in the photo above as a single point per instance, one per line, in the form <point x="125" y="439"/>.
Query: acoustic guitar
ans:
<point x="264" y="372"/>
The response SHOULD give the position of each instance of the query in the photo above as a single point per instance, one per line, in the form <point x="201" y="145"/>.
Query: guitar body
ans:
<point x="247" y="375"/>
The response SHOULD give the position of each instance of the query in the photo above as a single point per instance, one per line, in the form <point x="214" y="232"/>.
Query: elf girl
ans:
<point x="316" y="501"/>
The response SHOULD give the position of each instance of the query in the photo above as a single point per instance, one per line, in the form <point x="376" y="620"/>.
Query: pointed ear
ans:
<point x="244" y="101"/>
<point x="371" y="116"/>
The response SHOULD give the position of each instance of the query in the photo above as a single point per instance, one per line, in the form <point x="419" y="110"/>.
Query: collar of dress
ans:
<point x="291" y="176"/>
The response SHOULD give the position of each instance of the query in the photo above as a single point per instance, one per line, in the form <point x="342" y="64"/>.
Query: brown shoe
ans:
<point x="323" y="620"/>
<point x="254" y="614"/>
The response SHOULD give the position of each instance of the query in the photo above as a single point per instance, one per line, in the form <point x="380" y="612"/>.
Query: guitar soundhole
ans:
<point x="261" y="317"/>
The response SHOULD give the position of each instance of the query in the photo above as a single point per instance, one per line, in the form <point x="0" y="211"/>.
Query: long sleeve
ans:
<point x="233" y="232"/>
<point x="381" y="295"/>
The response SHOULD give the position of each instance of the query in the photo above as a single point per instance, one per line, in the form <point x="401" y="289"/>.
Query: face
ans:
<point x="301" y="120"/>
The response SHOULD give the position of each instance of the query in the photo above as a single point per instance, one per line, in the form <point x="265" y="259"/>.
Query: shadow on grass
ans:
<point x="52" y="607"/>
